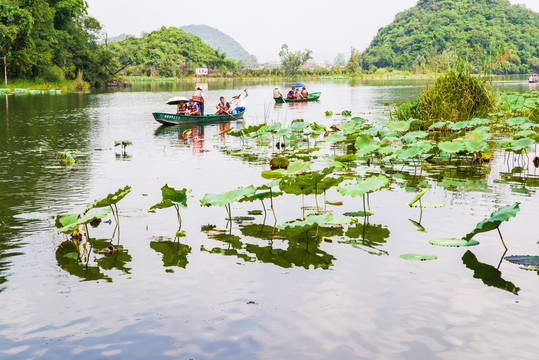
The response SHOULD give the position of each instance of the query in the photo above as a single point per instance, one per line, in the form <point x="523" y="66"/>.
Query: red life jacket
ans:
<point x="304" y="93"/>
<point x="197" y="96"/>
<point x="223" y="107"/>
<point x="291" y="94"/>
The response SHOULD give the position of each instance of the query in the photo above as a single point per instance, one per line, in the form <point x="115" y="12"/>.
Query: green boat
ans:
<point x="311" y="97"/>
<point x="174" y="119"/>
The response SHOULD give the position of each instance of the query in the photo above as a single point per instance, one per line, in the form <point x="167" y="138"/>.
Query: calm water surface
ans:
<point x="248" y="294"/>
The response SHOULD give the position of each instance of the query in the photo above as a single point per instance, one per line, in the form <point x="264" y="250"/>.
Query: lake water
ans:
<point x="248" y="294"/>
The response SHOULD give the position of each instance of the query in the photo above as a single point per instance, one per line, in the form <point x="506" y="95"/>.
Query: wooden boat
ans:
<point x="311" y="97"/>
<point x="174" y="119"/>
<point x="533" y="81"/>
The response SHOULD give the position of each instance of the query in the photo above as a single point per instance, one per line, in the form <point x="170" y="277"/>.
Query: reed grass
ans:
<point x="39" y="84"/>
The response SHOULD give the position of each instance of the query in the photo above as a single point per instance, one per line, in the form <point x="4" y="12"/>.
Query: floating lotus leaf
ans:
<point x="371" y="184"/>
<point x="360" y="213"/>
<point x="527" y="260"/>
<point x="418" y="257"/>
<point x="170" y="197"/>
<point x="86" y="219"/>
<point x="417" y="197"/>
<point x="425" y="204"/>
<point x="111" y="199"/>
<point x="227" y="197"/>
<point x="475" y="146"/>
<point x="438" y="125"/>
<point x="398" y="125"/>
<point x="495" y="219"/>
<point x="451" y="147"/>
<point x="453" y="242"/>
<point x="410" y="152"/>
<point x="34" y="216"/>
<point x="334" y="203"/>
<point x="459" y="125"/>
<point x="335" y="137"/>
<point x="255" y="212"/>
<point x="310" y="222"/>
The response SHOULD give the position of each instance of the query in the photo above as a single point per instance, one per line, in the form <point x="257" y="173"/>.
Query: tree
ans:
<point x="354" y="63"/>
<point x="250" y="62"/>
<point x="339" y="60"/>
<point x="292" y="61"/>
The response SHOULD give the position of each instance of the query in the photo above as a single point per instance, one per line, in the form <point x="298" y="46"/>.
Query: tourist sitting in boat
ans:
<point x="239" y="101"/>
<point x="193" y="109"/>
<point x="291" y="94"/>
<point x="198" y="97"/>
<point x="223" y="107"/>
<point x="277" y="93"/>
<point x="297" y="94"/>
<point x="182" y="108"/>
<point x="304" y="93"/>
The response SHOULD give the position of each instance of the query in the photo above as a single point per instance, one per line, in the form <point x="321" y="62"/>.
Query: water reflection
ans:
<point x="490" y="275"/>
<point x="174" y="253"/>
<point x="369" y="238"/>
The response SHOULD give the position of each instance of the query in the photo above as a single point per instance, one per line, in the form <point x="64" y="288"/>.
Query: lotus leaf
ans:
<point x="317" y="127"/>
<point x="371" y="184"/>
<point x="412" y="136"/>
<point x="123" y="143"/>
<point x="347" y="126"/>
<point x="359" y="213"/>
<point x="438" y="125"/>
<point x="478" y="122"/>
<point x="273" y="174"/>
<point x="527" y="260"/>
<point x="299" y="125"/>
<point x="367" y="149"/>
<point x="335" y="137"/>
<point x="495" y="219"/>
<point x="269" y="185"/>
<point x="516" y="121"/>
<point x="399" y="126"/>
<point x="451" y="147"/>
<point x="418" y="257"/>
<point x="86" y="219"/>
<point x="363" y="140"/>
<point x="310" y="222"/>
<point x="523" y="134"/>
<point x="453" y="242"/>
<point x="260" y="196"/>
<point x="227" y="197"/>
<point x="459" y="125"/>
<point x="410" y="152"/>
<point x="475" y="146"/>
<point x="522" y="144"/>
<point x="170" y="197"/>
<point x="345" y="158"/>
<point x="417" y="197"/>
<point x="283" y="132"/>
<point x="387" y="150"/>
<point x="111" y="199"/>
<point x="66" y="219"/>
<point x="298" y="167"/>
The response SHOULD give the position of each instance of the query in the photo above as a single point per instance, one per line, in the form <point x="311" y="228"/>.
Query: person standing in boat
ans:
<point x="304" y="93"/>
<point x="239" y="101"/>
<point x="198" y="97"/>
<point x="277" y="93"/>
<point x="193" y="109"/>
<point x="182" y="108"/>
<point x="224" y="106"/>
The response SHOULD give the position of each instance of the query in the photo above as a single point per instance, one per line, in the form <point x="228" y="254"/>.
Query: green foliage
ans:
<point x="495" y="219"/>
<point x="292" y="61"/>
<point x="308" y="223"/>
<point x="227" y="197"/>
<point x="171" y="197"/>
<point x="111" y="199"/>
<point x="163" y="52"/>
<point x="425" y="37"/>
<point x="362" y="187"/>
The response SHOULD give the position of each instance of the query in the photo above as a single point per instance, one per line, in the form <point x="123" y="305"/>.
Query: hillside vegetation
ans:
<point x="427" y="35"/>
<point x="218" y="40"/>
<point x="167" y="52"/>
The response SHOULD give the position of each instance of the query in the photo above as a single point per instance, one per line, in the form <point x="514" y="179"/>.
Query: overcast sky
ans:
<point x="325" y="27"/>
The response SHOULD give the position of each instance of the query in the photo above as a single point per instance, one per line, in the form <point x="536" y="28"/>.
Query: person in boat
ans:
<point x="224" y="106"/>
<point x="297" y="94"/>
<point x="277" y="93"/>
<point x="182" y="108"/>
<point x="291" y="94"/>
<point x="304" y="93"/>
<point x="193" y="109"/>
<point x="239" y="102"/>
<point x="198" y="97"/>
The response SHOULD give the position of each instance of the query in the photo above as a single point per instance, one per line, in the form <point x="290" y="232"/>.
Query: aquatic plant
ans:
<point x="362" y="187"/>
<point x="123" y="144"/>
<point x="172" y="197"/>
<point x="111" y="200"/>
<point x="227" y="197"/>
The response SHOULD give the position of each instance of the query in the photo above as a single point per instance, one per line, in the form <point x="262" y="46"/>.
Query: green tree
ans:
<point x="354" y="63"/>
<point x="340" y="60"/>
<point x="292" y="61"/>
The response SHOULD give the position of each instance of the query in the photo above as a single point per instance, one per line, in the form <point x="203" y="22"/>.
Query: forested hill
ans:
<point x="218" y="40"/>
<point x="167" y="52"/>
<point x="425" y="34"/>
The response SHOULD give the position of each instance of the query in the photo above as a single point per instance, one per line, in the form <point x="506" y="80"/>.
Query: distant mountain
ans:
<point x="217" y="40"/>
<point x="115" y="38"/>
<point x="473" y="29"/>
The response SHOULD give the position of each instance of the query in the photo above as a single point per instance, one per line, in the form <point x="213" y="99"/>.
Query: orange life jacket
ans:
<point x="193" y="109"/>
<point x="223" y="107"/>
<point x="291" y="94"/>
<point x="197" y="96"/>
<point x="304" y="93"/>
<point x="182" y="109"/>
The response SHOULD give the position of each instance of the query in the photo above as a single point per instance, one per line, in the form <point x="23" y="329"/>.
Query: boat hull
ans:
<point x="174" y="119"/>
<point x="312" y="97"/>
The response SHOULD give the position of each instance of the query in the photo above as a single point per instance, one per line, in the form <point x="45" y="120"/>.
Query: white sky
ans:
<point x="325" y="27"/>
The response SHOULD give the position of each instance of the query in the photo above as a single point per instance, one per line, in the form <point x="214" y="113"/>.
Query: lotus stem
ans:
<point x="368" y="201"/>
<point x="272" y="210"/>
<point x="303" y="204"/>
<point x="364" y="209"/>
<point x="316" y="198"/>
<point x="501" y="237"/>
<point x="179" y="217"/>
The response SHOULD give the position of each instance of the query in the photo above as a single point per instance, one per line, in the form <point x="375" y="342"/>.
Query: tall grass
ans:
<point x="39" y="84"/>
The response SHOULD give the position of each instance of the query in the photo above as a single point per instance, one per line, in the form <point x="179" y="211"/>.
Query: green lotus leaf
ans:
<point x="398" y="126"/>
<point x="417" y="197"/>
<point x="451" y="147"/>
<point x="367" y="149"/>
<point x="317" y="127"/>
<point x="283" y="132"/>
<point x="86" y="219"/>
<point x="527" y="260"/>
<point x="425" y="204"/>
<point x="122" y="143"/>
<point x="347" y="126"/>
<point x="299" y="125"/>
<point x="273" y="174"/>
<point x="504" y="142"/>
<point x="227" y="197"/>
<point x="412" y="136"/>
<point x="359" y="213"/>
<point x="328" y="182"/>
<point x="478" y="122"/>
<point x="310" y="222"/>
<point x="495" y="219"/>
<point x="388" y="134"/>
<point x="171" y="197"/>
<point x="371" y="184"/>
<point x="34" y="216"/>
<point x="524" y="133"/>
<point x="302" y="184"/>
<point x="362" y="140"/>
<point x="459" y="125"/>
<point x="345" y="158"/>
<point x="274" y="127"/>
<point x="66" y="219"/>
<point x="260" y="196"/>
<point x="453" y="242"/>
<point x="522" y="144"/>
<point x="269" y="185"/>
<point x="255" y="212"/>
<point x="335" y="137"/>
<point x="388" y="150"/>
<point x="475" y="146"/>
<point x="111" y="199"/>
<point x="410" y="152"/>
<point x="438" y="125"/>
<point x="418" y="257"/>
<point x="334" y="202"/>
<point x="516" y="121"/>
<point x="298" y="167"/>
